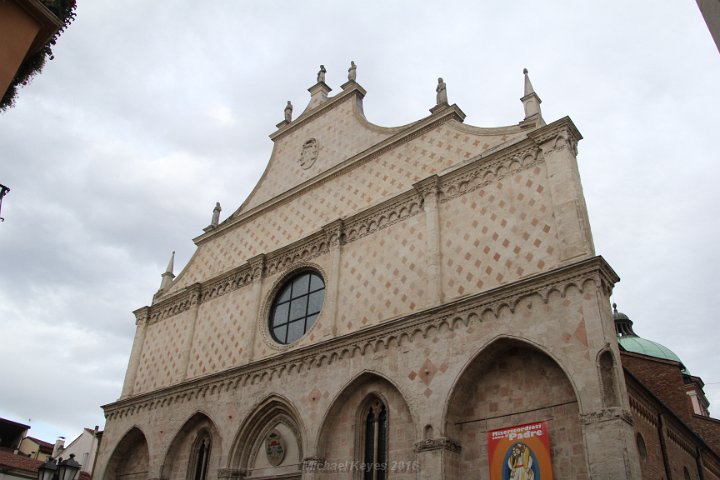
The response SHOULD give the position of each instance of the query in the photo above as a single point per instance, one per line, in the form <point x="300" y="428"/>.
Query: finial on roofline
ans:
<point x="171" y="264"/>
<point x="168" y="276"/>
<point x="531" y="101"/>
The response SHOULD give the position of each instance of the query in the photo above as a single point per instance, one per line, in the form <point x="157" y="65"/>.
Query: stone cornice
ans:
<point x="478" y="173"/>
<point x="382" y="216"/>
<point x="169" y="307"/>
<point x="396" y="331"/>
<point x="306" y="249"/>
<point x="142" y="315"/>
<point x="561" y="132"/>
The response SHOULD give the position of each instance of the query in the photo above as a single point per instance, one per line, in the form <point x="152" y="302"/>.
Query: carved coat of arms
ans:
<point x="275" y="448"/>
<point x="309" y="153"/>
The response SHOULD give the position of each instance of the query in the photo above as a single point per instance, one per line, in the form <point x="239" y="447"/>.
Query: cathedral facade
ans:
<point x="421" y="301"/>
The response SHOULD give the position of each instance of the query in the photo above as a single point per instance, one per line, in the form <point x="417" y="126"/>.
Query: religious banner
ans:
<point x="521" y="452"/>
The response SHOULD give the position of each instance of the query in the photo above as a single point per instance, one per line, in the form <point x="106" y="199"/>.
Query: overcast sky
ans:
<point x="153" y="111"/>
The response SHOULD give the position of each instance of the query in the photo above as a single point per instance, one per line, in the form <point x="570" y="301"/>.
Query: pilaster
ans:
<point x="195" y="291"/>
<point x="558" y="142"/>
<point x="429" y="189"/>
<point x="435" y="457"/>
<point x="141" y="320"/>
<point x="334" y="233"/>
<point x="257" y="267"/>
<point x="312" y="468"/>
<point x="610" y="445"/>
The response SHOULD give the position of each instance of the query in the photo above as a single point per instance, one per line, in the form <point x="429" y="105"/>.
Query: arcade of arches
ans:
<point x="370" y="423"/>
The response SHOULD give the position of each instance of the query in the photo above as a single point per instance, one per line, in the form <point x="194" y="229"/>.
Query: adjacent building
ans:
<point x="84" y="447"/>
<point x="25" y="27"/>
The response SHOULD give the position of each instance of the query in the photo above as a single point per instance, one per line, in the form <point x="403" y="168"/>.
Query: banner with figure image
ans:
<point x="521" y="452"/>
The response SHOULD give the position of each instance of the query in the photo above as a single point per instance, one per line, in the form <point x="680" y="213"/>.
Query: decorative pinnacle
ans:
<point x="615" y="307"/>
<point x="168" y="276"/>
<point x="171" y="263"/>
<point x="531" y="101"/>
<point x="528" y="86"/>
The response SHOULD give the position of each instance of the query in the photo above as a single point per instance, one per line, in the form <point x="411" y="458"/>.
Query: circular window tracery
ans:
<point x="296" y="307"/>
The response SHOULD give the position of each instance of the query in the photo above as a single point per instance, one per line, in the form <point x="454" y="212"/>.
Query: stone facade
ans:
<point x="462" y="294"/>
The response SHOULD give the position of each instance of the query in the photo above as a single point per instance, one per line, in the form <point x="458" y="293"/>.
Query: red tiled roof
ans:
<point x="14" y="424"/>
<point x="19" y="462"/>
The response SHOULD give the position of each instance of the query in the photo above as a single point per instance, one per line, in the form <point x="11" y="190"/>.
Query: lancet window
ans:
<point x="375" y="441"/>
<point x="200" y="457"/>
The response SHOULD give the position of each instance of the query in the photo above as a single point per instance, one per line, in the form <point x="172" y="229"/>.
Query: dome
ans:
<point x="637" y="344"/>
<point x="631" y="342"/>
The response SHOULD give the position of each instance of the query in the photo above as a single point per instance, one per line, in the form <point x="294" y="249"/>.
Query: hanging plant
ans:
<point x="33" y="64"/>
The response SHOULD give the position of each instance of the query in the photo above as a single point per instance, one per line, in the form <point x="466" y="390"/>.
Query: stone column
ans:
<point x="195" y="292"/>
<point x="142" y="315"/>
<point x="558" y="143"/>
<point x="312" y="468"/>
<point x="429" y="190"/>
<point x="610" y="445"/>
<point x="435" y="458"/>
<point x="257" y="266"/>
<point x="334" y="236"/>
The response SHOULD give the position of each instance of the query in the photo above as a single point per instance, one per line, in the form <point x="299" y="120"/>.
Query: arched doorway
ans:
<point x="130" y="459"/>
<point x="512" y="383"/>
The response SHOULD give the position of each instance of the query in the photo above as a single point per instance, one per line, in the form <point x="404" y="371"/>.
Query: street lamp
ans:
<point x="66" y="470"/>
<point x="3" y="191"/>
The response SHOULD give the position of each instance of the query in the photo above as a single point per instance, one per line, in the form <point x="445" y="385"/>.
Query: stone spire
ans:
<point x="531" y="101"/>
<point x="168" y="276"/>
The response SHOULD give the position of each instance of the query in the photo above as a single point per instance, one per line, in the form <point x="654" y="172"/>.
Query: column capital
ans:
<point x="335" y="232"/>
<point x="142" y="315"/>
<point x="312" y="464"/>
<point x="607" y="414"/>
<point x="429" y="186"/>
<point x="440" y="443"/>
<point x="257" y="265"/>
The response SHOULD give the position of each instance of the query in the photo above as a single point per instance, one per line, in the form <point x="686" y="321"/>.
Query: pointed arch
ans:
<point x="131" y="457"/>
<point x="195" y="448"/>
<point x="368" y="403"/>
<point x="274" y="414"/>
<point x="513" y="382"/>
<point x="496" y="343"/>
